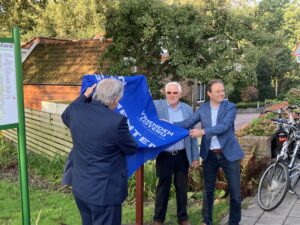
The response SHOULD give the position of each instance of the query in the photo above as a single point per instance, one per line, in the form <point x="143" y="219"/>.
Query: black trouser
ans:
<point x="166" y="166"/>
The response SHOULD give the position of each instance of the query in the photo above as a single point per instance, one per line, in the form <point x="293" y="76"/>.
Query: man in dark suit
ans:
<point x="219" y="148"/>
<point x="101" y="139"/>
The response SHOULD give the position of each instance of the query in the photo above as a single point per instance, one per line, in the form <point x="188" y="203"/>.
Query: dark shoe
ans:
<point x="157" y="223"/>
<point x="184" y="223"/>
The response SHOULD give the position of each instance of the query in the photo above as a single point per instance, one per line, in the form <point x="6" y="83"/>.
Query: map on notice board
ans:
<point x="8" y="91"/>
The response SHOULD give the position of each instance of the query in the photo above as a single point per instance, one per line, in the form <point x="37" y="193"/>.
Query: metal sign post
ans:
<point x="12" y="107"/>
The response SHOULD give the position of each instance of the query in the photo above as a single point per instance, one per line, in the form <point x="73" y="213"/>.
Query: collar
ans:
<point x="215" y="108"/>
<point x="174" y="109"/>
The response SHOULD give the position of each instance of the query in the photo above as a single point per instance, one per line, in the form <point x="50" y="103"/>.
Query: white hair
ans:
<point x="174" y="83"/>
<point x="108" y="90"/>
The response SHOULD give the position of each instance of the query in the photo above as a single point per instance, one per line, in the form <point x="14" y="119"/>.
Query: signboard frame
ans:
<point x="24" y="191"/>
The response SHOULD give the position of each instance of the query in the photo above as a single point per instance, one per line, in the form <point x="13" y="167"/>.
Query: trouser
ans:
<point x="232" y="173"/>
<point x="99" y="215"/>
<point x="168" y="165"/>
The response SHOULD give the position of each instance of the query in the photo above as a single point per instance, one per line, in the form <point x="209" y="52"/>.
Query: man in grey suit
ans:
<point x="219" y="148"/>
<point x="176" y="159"/>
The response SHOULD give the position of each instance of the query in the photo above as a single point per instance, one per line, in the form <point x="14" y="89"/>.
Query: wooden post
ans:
<point x="139" y="208"/>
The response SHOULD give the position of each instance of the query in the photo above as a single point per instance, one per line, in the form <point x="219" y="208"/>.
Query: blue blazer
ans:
<point x="191" y="144"/>
<point x="224" y="129"/>
<point x="101" y="139"/>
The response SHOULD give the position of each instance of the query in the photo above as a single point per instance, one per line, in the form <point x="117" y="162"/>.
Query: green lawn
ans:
<point x="54" y="207"/>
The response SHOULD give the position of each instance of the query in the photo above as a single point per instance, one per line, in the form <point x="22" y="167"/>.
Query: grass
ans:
<point x="46" y="207"/>
<point x="53" y="207"/>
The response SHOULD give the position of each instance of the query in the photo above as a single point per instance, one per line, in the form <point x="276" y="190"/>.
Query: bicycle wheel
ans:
<point x="273" y="186"/>
<point x="294" y="178"/>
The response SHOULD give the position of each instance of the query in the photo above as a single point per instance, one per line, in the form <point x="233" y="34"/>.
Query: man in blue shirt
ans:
<point x="176" y="159"/>
<point x="219" y="148"/>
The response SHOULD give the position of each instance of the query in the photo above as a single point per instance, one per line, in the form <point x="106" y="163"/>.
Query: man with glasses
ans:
<point x="176" y="159"/>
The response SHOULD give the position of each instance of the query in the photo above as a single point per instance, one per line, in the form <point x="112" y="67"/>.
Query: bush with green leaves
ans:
<point x="245" y="105"/>
<point x="261" y="126"/>
<point x="249" y="94"/>
<point x="293" y="96"/>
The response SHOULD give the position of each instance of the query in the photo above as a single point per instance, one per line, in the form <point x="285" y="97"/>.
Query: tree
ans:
<point x="22" y="13"/>
<point x="264" y="80"/>
<point x="202" y="42"/>
<point x="138" y="32"/>
<point x="72" y="18"/>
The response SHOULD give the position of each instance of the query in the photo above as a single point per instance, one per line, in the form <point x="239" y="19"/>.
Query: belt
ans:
<point x="175" y="152"/>
<point x="217" y="151"/>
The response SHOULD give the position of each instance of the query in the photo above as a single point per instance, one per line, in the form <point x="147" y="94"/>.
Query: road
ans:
<point x="244" y="118"/>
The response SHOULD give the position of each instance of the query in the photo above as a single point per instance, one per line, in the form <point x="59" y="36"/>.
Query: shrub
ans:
<point x="245" y="105"/>
<point x="249" y="174"/>
<point x="261" y="126"/>
<point x="249" y="94"/>
<point x="293" y="96"/>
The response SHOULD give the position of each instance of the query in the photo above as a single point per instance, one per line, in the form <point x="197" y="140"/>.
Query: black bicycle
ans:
<point x="283" y="174"/>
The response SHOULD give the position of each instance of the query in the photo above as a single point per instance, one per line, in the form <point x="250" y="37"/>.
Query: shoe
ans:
<point x="184" y="223"/>
<point x="157" y="223"/>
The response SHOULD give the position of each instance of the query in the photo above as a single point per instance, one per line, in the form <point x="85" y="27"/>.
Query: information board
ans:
<point x="8" y="90"/>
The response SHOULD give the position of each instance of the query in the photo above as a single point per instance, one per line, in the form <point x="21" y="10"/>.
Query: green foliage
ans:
<point x="249" y="174"/>
<point x="264" y="79"/>
<point x="250" y="93"/>
<point x="72" y="19"/>
<point x="150" y="180"/>
<point x="8" y="153"/>
<point x="245" y="105"/>
<point x="46" y="207"/>
<point x="50" y="169"/>
<point x="261" y="126"/>
<point x="293" y="96"/>
<point x="22" y="13"/>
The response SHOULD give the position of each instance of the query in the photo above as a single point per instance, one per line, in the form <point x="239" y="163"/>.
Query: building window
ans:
<point x="202" y="92"/>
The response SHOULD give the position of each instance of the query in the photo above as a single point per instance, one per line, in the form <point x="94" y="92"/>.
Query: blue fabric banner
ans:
<point x="151" y="134"/>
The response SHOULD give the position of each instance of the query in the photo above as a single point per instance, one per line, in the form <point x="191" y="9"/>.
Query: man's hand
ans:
<point x="195" y="164"/>
<point x="196" y="133"/>
<point x="89" y="91"/>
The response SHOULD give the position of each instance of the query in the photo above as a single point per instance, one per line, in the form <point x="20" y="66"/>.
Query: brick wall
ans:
<point x="35" y="94"/>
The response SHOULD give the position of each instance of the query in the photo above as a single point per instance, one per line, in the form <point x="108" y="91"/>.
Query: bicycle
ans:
<point x="283" y="174"/>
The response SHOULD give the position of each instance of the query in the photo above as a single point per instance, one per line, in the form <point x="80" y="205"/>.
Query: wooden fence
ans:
<point x="45" y="134"/>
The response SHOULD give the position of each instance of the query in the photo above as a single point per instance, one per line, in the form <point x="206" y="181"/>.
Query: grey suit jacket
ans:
<point x="191" y="144"/>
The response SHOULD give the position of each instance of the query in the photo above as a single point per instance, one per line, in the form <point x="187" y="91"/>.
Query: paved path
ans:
<point x="287" y="213"/>
<point x="243" y="119"/>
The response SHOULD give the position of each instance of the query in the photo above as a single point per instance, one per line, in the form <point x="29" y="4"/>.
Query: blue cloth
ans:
<point x="214" y="140"/>
<point x="190" y="144"/>
<point x="151" y="134"/>
<point x="224" y="129"/>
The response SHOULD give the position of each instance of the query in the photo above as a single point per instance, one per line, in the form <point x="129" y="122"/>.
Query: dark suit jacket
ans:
<point x="100" y="141"/>
<point x="224" y="129"/>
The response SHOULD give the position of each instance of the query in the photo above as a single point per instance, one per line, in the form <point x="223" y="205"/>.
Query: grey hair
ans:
<point x="108" y="90"/>
<point x="174" y="83"/>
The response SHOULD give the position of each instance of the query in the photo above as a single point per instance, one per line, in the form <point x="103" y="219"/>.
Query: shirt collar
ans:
<point x="214" y="108"/>
<point x="176" y="108"/>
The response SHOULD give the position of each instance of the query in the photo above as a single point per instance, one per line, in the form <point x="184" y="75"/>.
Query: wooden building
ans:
<point x="53" y="68"/>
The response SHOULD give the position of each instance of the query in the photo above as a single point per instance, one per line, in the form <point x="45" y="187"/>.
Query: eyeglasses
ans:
<point x="174" y="92"/>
